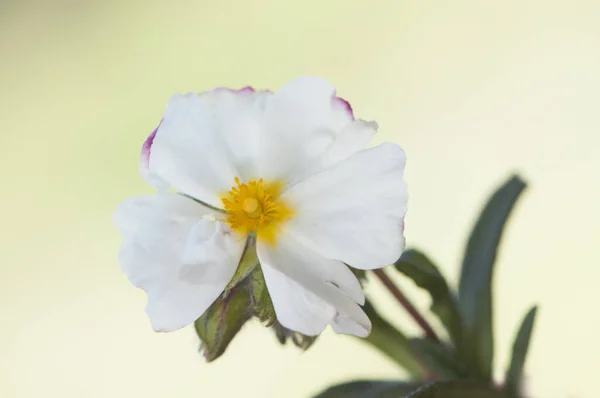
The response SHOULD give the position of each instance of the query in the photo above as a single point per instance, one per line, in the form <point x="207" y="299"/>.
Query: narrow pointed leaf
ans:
<point x="442" y="361"/>
<point x="393" y="343"/>
<point x="475" y="290"/>
<point x="369" y="389"/>
<point x="457" y="389"/>
<point x="519" y="353"/>
<point x="415" y="265"/>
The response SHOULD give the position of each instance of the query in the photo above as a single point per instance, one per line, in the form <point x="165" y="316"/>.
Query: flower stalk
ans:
<point x="403" y="300"/>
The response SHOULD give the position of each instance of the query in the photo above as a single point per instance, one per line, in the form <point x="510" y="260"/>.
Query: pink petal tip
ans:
<point x="146" y="148"/>
<point x="345" y="105"/>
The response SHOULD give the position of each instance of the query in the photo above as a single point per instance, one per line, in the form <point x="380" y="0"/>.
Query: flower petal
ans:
<point x="345" y="325"/>
<point x="151" y="178"/>
<point x="211" y="246"/>
<point x="207" y="139"/>
<point x="305" y="300"/>
<point x="343" y="111"/>
<point x="157" y="231"/>
<point x="353" y="138"/>
<point x="354" y="211"/>
<point x="302" y="119"/>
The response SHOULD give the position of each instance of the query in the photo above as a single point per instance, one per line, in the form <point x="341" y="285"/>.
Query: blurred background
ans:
<point x="473" y="90"/>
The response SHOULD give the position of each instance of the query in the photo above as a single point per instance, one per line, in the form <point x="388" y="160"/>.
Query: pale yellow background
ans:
<point x="473" y="90"/>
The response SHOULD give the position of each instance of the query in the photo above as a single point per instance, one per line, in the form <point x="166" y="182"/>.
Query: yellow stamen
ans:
<point x="255" y="207"/>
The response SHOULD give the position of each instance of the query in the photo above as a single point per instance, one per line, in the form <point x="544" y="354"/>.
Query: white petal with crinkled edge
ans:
<point x="162" y="231"/>
<point x="353" y="211"/>
<point x="331" y="271"/>
<point x="302" y="120"/>
<point x="206" y="140"/>
<point x="353" y="138"/>
<point x="305" y="295"/>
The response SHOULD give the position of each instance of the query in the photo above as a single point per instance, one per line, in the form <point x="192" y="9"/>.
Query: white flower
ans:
<point x="290" y="168"/>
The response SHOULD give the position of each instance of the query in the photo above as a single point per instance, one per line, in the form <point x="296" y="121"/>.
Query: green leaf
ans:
<point x="369" y="389"/>
<point x="249" y="297"/>
<point x="475" y="289"/>
<point x="247" y="264"/>
<point x="415" y="265"/>
<point x="519" y="353"/>
<point x="457" y="389"/>
<point x="225" y="317"/>
<point x="222" y="321"/>
<point x="259" y="295"/>
<point x="441" y="360"/>
<point x="393" y="343"/>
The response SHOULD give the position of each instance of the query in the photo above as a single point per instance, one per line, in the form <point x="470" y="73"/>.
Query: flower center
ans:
<point x="255" y="207"/>
<point x="251" y="207"/>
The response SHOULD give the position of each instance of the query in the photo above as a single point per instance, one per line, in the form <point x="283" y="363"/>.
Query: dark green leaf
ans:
<point x="441" y="360"/>
<point x="426" y="275"/>
<point x="475" y="290"/>
<point x="519" y="353"/>
<point x="370" y="389"/>
<point x="457" y="389"/>
<point x="222" y="321"/>
<point x="392" y="343"/>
